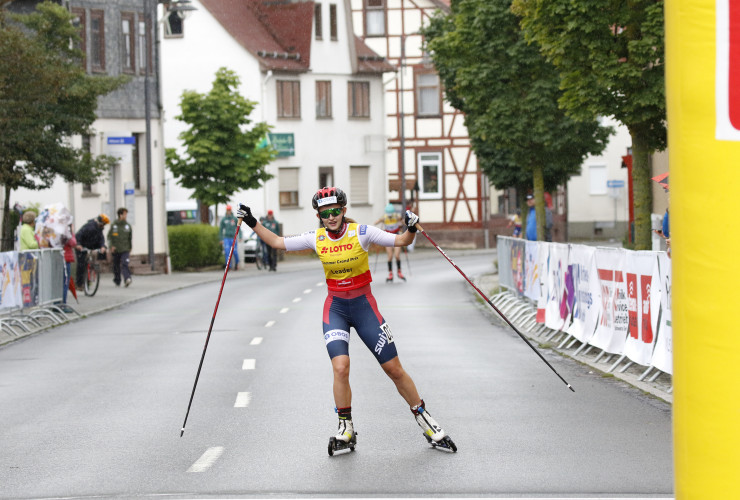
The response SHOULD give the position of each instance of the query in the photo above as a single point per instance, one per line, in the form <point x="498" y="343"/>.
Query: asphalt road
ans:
<point x="95" y="408"/>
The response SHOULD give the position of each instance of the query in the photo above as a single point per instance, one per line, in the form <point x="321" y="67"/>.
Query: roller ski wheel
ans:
<point x="401" y="276"/>
<point x="389" y="279"/>
<point x="338" y="445"/>
<point x="446" y="443"/>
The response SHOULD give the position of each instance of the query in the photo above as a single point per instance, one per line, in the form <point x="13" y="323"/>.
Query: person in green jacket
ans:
<point x="27" y="238"/>
<point x="227" y="231"/>
<point x="119" y="241"/>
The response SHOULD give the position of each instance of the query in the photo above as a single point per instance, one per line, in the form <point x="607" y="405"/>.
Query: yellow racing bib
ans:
<point x="346" y="263"/>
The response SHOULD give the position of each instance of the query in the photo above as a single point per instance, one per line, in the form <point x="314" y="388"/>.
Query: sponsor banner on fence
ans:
<point x="639" y="267"/>
<point x="557" y="311"/>
<point x="10" y="289"/>
<point x="28" y="263"/>
<point x="663" y="354"/>
<point x="543" y="259"/>
<point x="611" y="331"/>
<point x="587" y="290"/>
<point x="517" y="265"/>
<point x="533" y="270"/>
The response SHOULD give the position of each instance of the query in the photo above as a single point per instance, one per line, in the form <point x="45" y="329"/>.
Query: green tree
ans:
<point x="509" y="94"/>
<point x="610" y="57"/>
<point x="222" y="156"/>
<point x="45" y="98"/>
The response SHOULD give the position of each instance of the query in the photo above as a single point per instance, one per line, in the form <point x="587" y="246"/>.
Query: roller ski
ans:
<point x="346" y="436"/>
<point x="401" y="276"/>
<point x="433" y="432"/>
<point x="389" y="279"/>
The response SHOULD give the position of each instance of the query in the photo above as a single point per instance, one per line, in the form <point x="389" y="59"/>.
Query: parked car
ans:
<point x="251" y="245"/>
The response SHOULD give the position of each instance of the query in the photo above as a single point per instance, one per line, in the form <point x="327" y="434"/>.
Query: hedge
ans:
<point x="194" y="246"/>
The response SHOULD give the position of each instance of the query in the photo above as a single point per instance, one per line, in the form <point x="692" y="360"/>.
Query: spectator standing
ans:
<point x="227" y="231"/>
<point x="69" y="242"/>
<point x="27" y="238"/>
<point x="516" y="221"/>
<point x="119" y="240"/>
<point x="531" y="219"/>
<point x="274" y="226"/>
<point x="90" y="236"/>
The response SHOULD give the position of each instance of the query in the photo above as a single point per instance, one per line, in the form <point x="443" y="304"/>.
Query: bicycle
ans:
<point x="92" y="271"/>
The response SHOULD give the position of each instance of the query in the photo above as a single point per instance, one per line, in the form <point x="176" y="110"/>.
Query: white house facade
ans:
<point x="316" y="84"/>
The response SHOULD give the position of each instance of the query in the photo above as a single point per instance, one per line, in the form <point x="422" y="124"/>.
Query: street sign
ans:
<point x="614" y="184"/>
<point x="122" y="140"/>
<point x="284" y="144"/>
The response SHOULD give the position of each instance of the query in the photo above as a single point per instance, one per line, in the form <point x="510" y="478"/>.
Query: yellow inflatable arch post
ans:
<point x="703" y="95"/>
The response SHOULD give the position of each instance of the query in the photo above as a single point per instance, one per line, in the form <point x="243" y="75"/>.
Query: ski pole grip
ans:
<point x="239" y="221"/>
<point x="418" y="226"/>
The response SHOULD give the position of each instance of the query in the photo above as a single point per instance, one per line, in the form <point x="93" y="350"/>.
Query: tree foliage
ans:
<point x="509" y="94"/>
<point x="46" y="97"/>
<point x="610" y="57"/>
<point x="222" y="155"/>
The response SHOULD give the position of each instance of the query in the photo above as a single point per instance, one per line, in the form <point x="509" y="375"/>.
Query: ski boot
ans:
<point x="389" y="279"/>
<point x="346" y="437"/>
<point x="433" y="432"/>
<point x="401" y="276"/>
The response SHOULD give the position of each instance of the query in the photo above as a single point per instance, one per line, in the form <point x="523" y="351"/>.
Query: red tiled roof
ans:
<point x="368" y="61"/>
<point x="278" y="33"/>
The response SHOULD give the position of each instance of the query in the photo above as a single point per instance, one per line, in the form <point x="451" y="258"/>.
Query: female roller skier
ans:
<point x="342" y="246"/>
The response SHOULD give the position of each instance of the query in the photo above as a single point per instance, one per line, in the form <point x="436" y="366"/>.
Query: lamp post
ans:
<point x="182" y="8"/>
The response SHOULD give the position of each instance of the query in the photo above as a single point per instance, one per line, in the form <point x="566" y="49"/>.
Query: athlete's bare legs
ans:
<point x="404" y="383"/>
<point x="342" y="390"/>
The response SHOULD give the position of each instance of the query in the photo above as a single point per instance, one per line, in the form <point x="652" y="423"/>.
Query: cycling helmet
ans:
<point x="389" y="208"/>
<point x="328" y="196"/>
<point x="103" y="219"/>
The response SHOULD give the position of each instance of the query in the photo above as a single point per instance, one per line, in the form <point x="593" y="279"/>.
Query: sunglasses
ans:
<point x="325" y="214"/>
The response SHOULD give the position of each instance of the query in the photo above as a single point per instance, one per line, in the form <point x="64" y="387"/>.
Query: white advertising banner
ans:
<point x="611" y="331"/>
<point x="517" y="265"/>
<point x="543" y="259"/>
<point x="533" y="270"/>
<point x="587" y="292"/>
<point x="557" y="313"/>
<point x="639" y="267"/>
<point x="10" y="287"/>
<point x="663" y="353"/>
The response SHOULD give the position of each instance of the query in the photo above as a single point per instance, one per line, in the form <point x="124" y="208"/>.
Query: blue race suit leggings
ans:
<point x="356" y="308"/>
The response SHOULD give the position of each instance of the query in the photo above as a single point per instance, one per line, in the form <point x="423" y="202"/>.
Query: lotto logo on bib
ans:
<point x="333" y="335"/>
<point x="337" y="248"/>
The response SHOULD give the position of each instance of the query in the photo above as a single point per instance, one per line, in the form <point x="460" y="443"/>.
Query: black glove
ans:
<point x="410" y="219"/>
<point x="245" y="213"/>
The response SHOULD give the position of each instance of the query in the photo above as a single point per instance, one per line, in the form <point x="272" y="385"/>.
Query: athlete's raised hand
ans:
<point x="245" y="213"/>
<point x="410" y="219"/>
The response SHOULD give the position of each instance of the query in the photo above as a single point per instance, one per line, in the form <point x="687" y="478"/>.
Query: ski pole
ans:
<point x="494" y="307"/>
<point x="210" y="328"/>
<point x="408" y="263"/>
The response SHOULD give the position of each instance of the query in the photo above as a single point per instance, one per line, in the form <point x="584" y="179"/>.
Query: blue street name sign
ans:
<point x="122" y="140"/>
<point x="615" y="184"/>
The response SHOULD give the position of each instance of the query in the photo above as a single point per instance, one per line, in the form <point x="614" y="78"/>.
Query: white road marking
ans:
<point x="269" y="324"/>
<point x="319" y="283"/>
<point x="297" y="299"/>
<point x="256" y="341"/>
<point x="307" y="290"/>
<point x="284" y="310"/>
<point x="207" y="459"/>
<point x="249" y="364"/>
<point x="242" y="399"/>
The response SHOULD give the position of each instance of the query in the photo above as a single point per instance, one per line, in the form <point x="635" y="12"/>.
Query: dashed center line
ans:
<point x="207" y="459"/>
<point x="256" y="341"/>
<point x="284" y="310"/>
<point x="249" y="364"/>
<point x="269" y="324"/>
<point x="242" y="399"/>
<point x="297" y="299"/>
<point x="319" y="283"/>
<point x="307" y="290"/>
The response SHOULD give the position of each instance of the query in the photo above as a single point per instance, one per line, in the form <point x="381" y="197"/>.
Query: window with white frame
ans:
<point x="326" y="176"/>
<point x="597" y="179"/>
<point x="323" y="99"/>
<point x="317" y="22"/>
<point x="359" y="181"/>
<point x="288" y="98"/>
<point x="374" y="17"/>
<point x="430" y="169"/>
<point x="288" y="186"/>
<point x="428" y="94"/>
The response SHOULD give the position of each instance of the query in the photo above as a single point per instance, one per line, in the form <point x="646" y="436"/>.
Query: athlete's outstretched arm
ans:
<point x="272" y="239"/>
